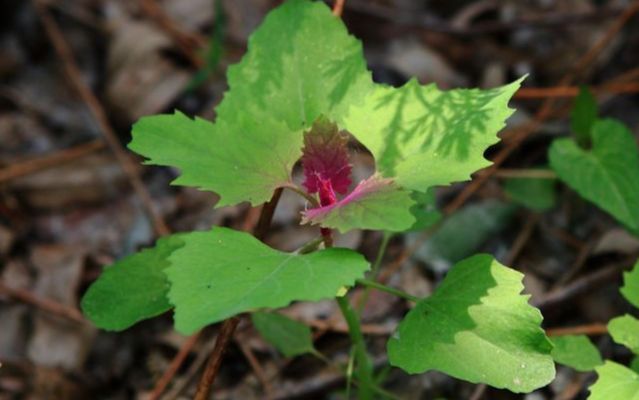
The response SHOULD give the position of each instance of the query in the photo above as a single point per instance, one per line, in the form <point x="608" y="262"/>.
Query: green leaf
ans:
<point x="464" y="232"/>
<point x="477" y="327"/>
<point x="376" y="203"/>
<point x="583" y="115"/>
<point x="301" y="63"/>
<point x="615" y="382"/>
<point x="224" y="272"/>
<point x="607" y="175"/>
<point x="425" y="210"/>
<point x="132" y="289"/>
<point x="630" y="288"/>
<point x="634" y="365"/>
<point x="536" y="194"/>
<point x="625" y="331"/>
<point x="575" y="351"/>
<point x="423" y="137"/>
<point x="290" y="337"/>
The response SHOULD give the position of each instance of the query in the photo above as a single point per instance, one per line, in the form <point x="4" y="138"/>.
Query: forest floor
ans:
<point x="75" y="75"/>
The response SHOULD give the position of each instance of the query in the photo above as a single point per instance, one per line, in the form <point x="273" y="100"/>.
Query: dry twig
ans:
<point x="75" y="78"/>
<point x="590" y="330"/>
<point x="215" y="360"/>
<point x="38" y="164"/>
<point x="338" y="7"/>
<point x="175" y="365"/>
<point x="188" y="43"/>
<point x="47" y="305"/>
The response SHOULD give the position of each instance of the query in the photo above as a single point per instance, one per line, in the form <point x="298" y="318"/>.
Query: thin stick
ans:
<point x="188" y="43"/>
<point x="27" y="167"/>
<point x="590" y="330"/>
<point x="368" y="329"/>
<point x="257" y="368"/>
<point x="522" y="238"/>
<point x="338" y="7"/>
<point x="479" y="391"/>
<point x="213" y="365"/>
<point x="572" y="91"/>
<point x="580" y="260"/>
<point x="526" y="173"/>
<point x="554" y="21"/>
<point x="229" y="325"/>
<point x="47" y="305"/>
<point x="175" y="365"/>
<point x="75" y="78"/>
<point x="556" y="297"/>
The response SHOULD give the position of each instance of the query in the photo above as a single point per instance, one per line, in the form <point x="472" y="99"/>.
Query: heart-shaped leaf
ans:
<point x="608" y="174"/>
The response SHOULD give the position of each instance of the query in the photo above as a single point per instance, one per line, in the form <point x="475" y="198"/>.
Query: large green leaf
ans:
<point x="290" y="337"/>
<point x="423" y="137"/>
<point x="477" y="327"/>
<point x="615" y="382"/>
<point x="224" y="272"/>
<point x="575" y="351"/>
<point x="630" y="288"/>
<point x="301" y="63"/>
<point x="608" y="174"/>
<point x="132" y="289"/>
<point x="625" y="330"/>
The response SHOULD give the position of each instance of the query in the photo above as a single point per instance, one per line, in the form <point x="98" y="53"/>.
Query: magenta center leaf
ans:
<point x="325" y="161"/>
<point x="376" y="203"/>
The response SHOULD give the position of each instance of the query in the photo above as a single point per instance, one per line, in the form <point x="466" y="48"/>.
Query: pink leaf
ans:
<point x="325" y="161"/>
<point x="376" y="203"/>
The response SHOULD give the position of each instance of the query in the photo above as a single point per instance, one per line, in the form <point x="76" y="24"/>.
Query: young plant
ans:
<point x="615" y="380"/>
<point x="601" y="163"/>
<point x="300" y="93"/>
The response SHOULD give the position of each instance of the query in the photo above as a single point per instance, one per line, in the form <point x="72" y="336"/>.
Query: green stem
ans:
<point x="311" y="246"/>
<point x="302" y="193"/>
<point x="374" y="270"/>
<point x="364" y="370"/>
<point x="399" y="293"/>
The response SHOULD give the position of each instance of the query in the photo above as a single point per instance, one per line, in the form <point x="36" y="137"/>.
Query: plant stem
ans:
<point x="526" y="173"/>
<point x="213" y="365"/>
<point x="229" y="325"/>
<point x="364" y="370"/>
<point x="374" y="270"/>
<point x="302" y="193"/>
<point x="266" y="215"/>
<point x="399" y="293"/>
<point x="338" y="7"/>
<point x="310" y="246"/>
